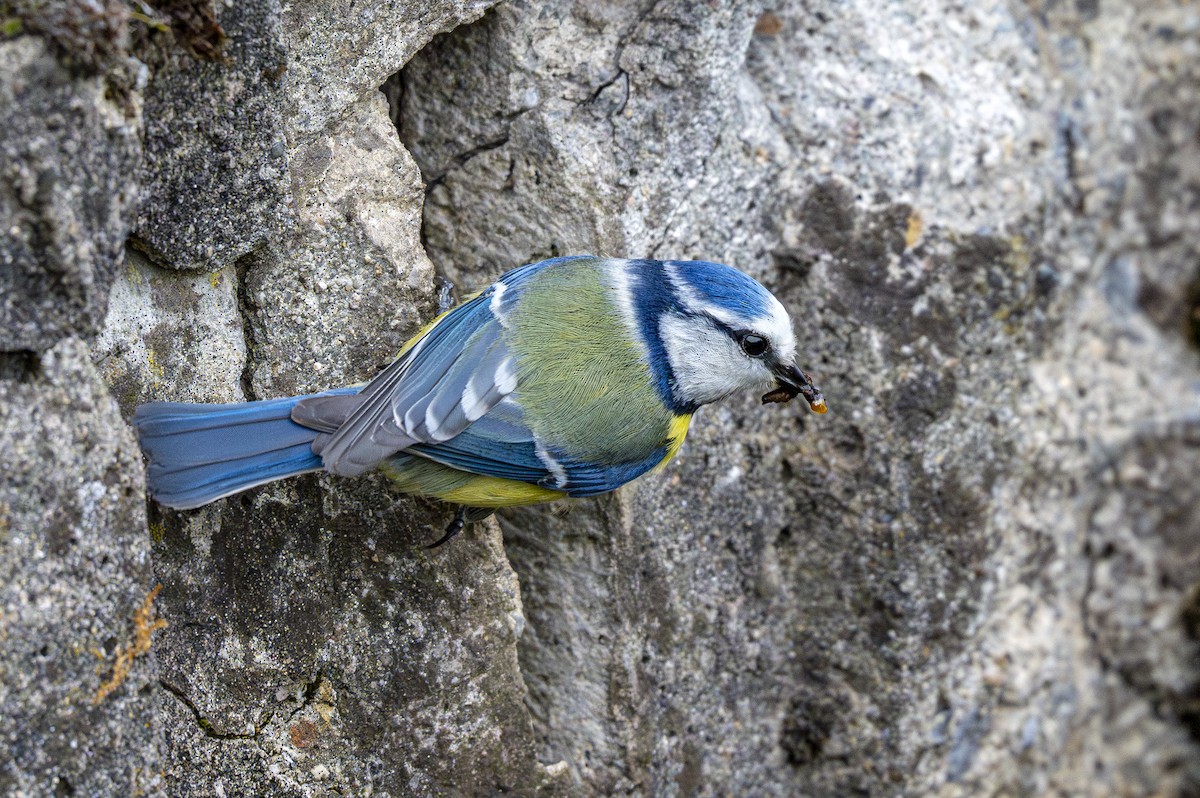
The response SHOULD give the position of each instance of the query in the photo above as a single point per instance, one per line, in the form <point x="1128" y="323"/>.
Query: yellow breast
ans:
<point x="675" y="435"/>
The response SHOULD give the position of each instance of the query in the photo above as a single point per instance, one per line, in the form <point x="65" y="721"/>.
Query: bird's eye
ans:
<point x="753" y="345"/>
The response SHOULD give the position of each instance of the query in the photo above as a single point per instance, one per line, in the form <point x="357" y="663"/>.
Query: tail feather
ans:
<point x="187" y="488"/>
<point x="202" y="452"/>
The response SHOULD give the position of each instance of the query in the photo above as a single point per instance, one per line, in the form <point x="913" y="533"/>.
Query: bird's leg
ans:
<point x="455" y="526"/>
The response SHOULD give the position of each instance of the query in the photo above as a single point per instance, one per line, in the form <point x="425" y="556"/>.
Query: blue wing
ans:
<point x="446" y="382"/>
<point x="501" y="445"/>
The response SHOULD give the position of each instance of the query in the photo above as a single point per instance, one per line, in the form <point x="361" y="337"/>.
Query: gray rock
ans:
<point x="74" y="570"/>
<point x="332" y="303"/>
<point x="66" y="156"/>
<point x="799" y="603"/>
<point x="397" y="674"/>
<point x="215" y="172"/>
<point x="338" y="55"/>
<point x="226" y="138"/>
<point x="338" y="653"/>
<point x="172" y="333"/>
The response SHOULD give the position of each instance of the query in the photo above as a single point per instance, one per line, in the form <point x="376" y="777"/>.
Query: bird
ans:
<point x="567" y="377"/>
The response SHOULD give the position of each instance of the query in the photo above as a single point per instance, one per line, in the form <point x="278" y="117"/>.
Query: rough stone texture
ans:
<point x="74" y="567"/>
<point x="338" y="654"/>
<point x="944" y="586"/>
<point x="65" y="196"/>
<point x="340" y="53"/>
<point x="167" y="331"/>
<point x="227" y="139"/>
<point x="324" y="650"/>
<point x="332" y="303"/>
<point x="215" y="172"/>
<point x="977" y="575"/>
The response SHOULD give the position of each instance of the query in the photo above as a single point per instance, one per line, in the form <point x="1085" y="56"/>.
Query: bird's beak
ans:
<point x="792" y="383"/>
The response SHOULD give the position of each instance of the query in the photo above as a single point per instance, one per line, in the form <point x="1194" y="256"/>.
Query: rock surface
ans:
<point x="215" y="171"/>
<point x="75" y="568"/>
<point x="916" y="594"/>
<point x="66" y="196"/>
<point x="976" y="575"/>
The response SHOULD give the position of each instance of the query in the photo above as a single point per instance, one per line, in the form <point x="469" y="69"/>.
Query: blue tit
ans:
<point x="568" y="377"/>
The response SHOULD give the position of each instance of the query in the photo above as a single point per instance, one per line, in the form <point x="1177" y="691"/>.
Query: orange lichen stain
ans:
<point x="303" y="734"/>
<point x="912" y="233"/>
<point x="144" y="625"/>
<point x="769" y="24"/>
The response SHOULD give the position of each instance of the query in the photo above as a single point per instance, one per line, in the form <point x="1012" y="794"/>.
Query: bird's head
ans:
<point x="726" y="333"/>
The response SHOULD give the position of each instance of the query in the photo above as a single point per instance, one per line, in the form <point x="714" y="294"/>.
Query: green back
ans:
<point x="581" y="380"/>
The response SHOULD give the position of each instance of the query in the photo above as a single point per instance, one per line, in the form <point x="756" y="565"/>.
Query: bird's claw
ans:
<point x="453" y="528"/>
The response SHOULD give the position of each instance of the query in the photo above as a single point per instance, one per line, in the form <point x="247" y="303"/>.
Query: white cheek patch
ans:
<point x="708" y="365"/>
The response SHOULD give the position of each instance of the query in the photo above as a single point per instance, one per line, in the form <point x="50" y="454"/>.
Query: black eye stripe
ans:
<point x="753" y="344"/>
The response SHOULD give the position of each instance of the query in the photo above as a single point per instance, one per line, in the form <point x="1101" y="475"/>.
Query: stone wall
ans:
<point x="979" y="574"/>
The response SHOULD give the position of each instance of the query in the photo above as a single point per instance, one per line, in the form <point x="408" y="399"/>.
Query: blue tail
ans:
<point x="200" y="453"/>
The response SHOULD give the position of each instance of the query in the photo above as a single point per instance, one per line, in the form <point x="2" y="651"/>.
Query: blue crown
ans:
<point x="725" y="287"/>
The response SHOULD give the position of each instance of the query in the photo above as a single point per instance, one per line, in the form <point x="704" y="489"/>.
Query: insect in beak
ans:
<point x="792" y="383"/>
